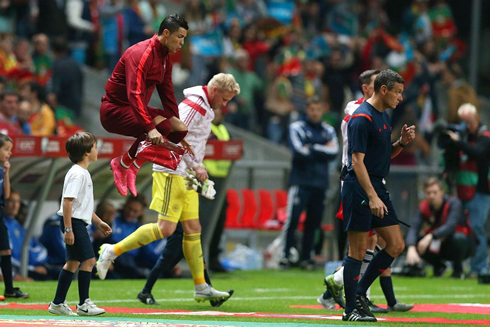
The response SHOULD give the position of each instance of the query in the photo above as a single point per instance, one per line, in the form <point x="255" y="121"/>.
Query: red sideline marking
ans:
<point x="435" y="320"/>
<point x="472" y="308"/>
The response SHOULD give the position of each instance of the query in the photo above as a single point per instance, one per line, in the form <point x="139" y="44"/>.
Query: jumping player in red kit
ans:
<point x="124" y="109"/>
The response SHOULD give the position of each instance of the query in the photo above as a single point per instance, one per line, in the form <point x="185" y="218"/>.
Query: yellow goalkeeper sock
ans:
<point x="193" y="254"/>
<point x="140" y="237"/>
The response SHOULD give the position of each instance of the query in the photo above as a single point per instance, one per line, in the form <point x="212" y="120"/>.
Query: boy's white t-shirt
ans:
<point x="78" y="185"/>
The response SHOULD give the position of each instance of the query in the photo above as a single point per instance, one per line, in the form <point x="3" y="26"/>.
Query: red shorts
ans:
<point x="123" y="120"/>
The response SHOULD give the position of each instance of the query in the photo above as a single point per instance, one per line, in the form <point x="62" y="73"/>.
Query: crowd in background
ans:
<point x="281" y="52"/>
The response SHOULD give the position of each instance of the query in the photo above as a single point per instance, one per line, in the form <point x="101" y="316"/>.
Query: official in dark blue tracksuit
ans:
<point x="314" y="144"/>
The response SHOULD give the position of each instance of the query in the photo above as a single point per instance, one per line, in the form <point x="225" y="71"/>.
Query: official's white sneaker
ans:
<point x="209" y="293"/>
<point x="88" y="308"/>
<point x="106" y="258"/>
<point x="61" y="309"/>
<point x="328" y="304"/>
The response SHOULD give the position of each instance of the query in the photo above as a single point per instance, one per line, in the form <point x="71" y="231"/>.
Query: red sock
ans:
<point x="164" y="127"/>
<point x="126" y="160"/>
<point x="176" y="136"/>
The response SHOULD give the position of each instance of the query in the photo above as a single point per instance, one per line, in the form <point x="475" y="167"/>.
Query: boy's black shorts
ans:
<point x="82" y="249"/>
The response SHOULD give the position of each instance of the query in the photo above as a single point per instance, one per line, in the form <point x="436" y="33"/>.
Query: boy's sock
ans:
<point x="381" y="261"/>
<point x="140" y="237"/>
<point x="387" y="287"/>
<point x="193" y="254"/>
<point x="7" y="273"/>
<point x="64" y="282"/>
<point x="352" y="272"/>
<point x="84" y="285"/>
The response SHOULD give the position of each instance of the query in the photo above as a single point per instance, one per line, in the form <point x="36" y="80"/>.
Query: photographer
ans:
<point x="468" y="151"/>
<point x="446" y="235"/>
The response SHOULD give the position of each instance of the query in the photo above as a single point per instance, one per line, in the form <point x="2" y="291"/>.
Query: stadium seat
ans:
<point x="281" y="197"/>
<point x="266" y="215"/>
<point x="233" y="209"/>
<point x="249" y="213"/>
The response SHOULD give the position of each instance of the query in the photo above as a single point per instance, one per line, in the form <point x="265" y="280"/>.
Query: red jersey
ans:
<point x="143" y="67"/>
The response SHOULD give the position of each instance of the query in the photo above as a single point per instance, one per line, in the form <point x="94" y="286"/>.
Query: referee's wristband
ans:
<point x="400" y="142"/>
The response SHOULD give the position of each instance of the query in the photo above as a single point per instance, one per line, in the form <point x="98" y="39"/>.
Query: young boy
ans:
<point x="5" y="251"/>
<point x="77" y="209"/>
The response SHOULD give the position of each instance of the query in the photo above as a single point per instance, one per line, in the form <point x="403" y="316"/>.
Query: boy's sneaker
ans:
<point x="16" y="293"/>
<point x="61" y="309"/>
<point x="131" y="179"/>
<point x="105" y="260"/>
<point x="335" y="290"/>
<point x="357" y="316"/>
<point x="401" y="307"/>
<point x="88" y="308"/>
<point x="209" y="293"/>
<point x="328" y="304"/>
<point x="217" y="303"/>
<point x="120" y="176"/>
<point x="147" y="298"/>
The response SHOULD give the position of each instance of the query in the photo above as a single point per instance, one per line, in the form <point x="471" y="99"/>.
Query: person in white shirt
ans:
<point x="172" y="199"/>
<point x="77" y="209"/>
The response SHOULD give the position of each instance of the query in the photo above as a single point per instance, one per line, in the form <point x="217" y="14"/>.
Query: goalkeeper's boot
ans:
<point x="131" y="174"/>
<point x="105" y="260"/>
<point x="206" y="293"/>
<point x="120" y="178"/>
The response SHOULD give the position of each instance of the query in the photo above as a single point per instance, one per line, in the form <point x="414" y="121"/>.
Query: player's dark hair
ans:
<point x="173" y="23"/>
<point x="389" y="78"/>
<point x="79" y="144"/>
<point x="5" y="138"/>
<point x="365" y="77"/>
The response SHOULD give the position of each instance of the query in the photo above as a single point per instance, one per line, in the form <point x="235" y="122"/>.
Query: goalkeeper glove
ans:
<point x="205" y="188"/>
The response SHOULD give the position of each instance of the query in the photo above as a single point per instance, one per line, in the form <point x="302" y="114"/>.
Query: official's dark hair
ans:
<point x="5" y="138"/>
<point x="365" y="77"/>
<point x="389" y="78"/>
<point x="79" y="144"/>
<point x="173" y="23"/>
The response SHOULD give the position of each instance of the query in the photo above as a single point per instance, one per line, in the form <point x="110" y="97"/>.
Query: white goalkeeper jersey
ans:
<point x="196" y="112"/>
<point x="349" y="110"/>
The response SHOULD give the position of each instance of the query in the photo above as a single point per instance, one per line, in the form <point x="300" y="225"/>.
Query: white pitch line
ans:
<point x="268" y="298"/>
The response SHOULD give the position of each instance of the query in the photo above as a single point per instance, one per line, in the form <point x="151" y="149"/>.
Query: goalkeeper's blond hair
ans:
<point x="224" y="82"/>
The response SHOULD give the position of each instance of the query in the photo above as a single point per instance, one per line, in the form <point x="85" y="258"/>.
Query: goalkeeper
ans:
<point x="174" y="200"/>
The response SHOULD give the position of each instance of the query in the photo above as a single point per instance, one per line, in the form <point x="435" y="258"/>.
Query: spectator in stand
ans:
<point x="314" y="144"/>
<point x="447" y="235"/>
<point x="9" y="104"/>
<point x="67" y="81"/>
<point x="8" y="62"/>
<point x="37" y="252"/>
<point x="81" y="29"/>
<point x="152" y="12"/>
<point x="51" y="18"/>
<point x="458" y="91"/>
<point x="250" y="84"/>
<point x="43" y="60"/>
<point x="23" y="56"/>
<point x="112" y="23"/>
<point x="42" y="120"/>
<point x="471" y="155"/>
<point x="2" y="83"/>
<point x="106" y="212"/>
<point x="52" y="240"/>
<point x="7" y="17"/>
<point x="136" y="28"/>
<point x="23" y="115"/>
<point x="278" y="108"/>
<point x="126" y="222"/>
